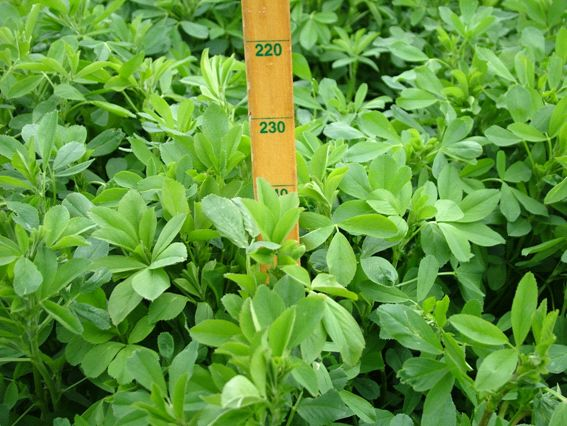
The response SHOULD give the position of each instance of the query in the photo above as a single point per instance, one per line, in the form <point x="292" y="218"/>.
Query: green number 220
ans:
<point x="268" y="49"/>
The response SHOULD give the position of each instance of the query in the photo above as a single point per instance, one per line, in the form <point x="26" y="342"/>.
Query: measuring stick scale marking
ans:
<point x="267" y="45"/>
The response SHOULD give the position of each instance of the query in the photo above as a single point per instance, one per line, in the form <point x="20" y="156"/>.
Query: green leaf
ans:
<point x="144" y="366"/>
<point x="372" y="225"/>
<point x="340" y="130"/>
<point x="423" y="373"/>
<point x="66" y="91"/>
<point x="457" y="242"/>
<point x="113" y="109"/>
<point x="301" y="67"/>
<point x="326" y="283"/>
<point x="97" y="316"/>
<point x="359" y="406"/>
<point x="172" y="254"/>
<point x="495" y="64"/>
<point x="558" y="117"/>
<point x="365" y="151"/>
<point x="438" y="407"/>
<point x="66" y="273"/>
<point x="183" y="364"/>
<point x="285" y="225"/>
<point x="315" y="238"/>
<point x="501" y="137"/>
<point x="559" y="416"/>
<point x="195" y="30"/>
<point x="413" y="98"/>
<point x="479" y="204"/>
<point x="150" y="283"/>
<point x="308" y="314"/>
<point x="27" y="278"/>
<point x="323" y="410"/>
<point x="116" y="264"/>
<point x="46" y="130"/>
<point x="448" y="211"/>
<point x="341" y="259"/>
<point x="64" y="316"/>
<point x="168" y="233"/>
<point x="524" y="307"/>
<point x="557" y="194"/>
<point x="375" y="123"/>
<point x="402" y="323"/>
<point x="298" y="273"/>
<point x="23" y="86"/>
<point x="379" y="270"/>
<point x="166" y="345"/>
<point x="213" y="332"/>
<point x="308" y="34"/>
<point x="530" y="204"/>
<point x="496" y="369"/>
<point x="280" y="332"/>
<point x="239" y="392"/>
<point x="54" y="223"/>
<point x="227" y="218"/>
<point x="166" y="307"/>
<point x="382" y="293"/>
<point x="24" y="215"/>
<point x="527" y="132"/>
<point x="479" y="234"/>
<point x="407" y="52"/>
<point x="173" y="197"/>
<point x="518" y="101"/>
<point x="97" y="359"/>
<point x="15" y="182"/>
<point x="478" y="329"/>
<point x="105" y="142"/>
<point x="122" y="301"/>
<point x="303" y="373"/>
<point x="344" y="331"/>
<point x="426" y="275"/>
<point x="68" y="154"/>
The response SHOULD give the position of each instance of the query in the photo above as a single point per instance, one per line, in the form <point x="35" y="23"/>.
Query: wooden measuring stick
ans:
<point x="267" y="49"/>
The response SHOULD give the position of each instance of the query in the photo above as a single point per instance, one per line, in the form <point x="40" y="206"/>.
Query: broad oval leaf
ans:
<point x="27" y="278"/>
<point x="523" y="307"/>
<point x="373" y="225"/>
<point x="64" y="316"/>
<point x="478" y="329"/>
<point x="341" y="259"/>
<point x="239" y="392"/>
<point x="496" y="369"/>
<point x="227" y="218"/>
<point x="214" y="332"/>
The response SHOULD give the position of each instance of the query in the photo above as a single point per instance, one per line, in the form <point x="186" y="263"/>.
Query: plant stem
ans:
<point x="519" y="416"/>
<point x="415" y="279"/>
<point x="556" y="394"/>
<point x="294" y="409"/>
<point x="488" y="411"/>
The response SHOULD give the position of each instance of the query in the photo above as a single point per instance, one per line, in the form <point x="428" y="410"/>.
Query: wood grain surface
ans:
<point x="267" y="39"/>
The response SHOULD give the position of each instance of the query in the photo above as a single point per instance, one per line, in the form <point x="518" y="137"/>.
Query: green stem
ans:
<point x="294" y="409"/>
<point x="24" y="414"/>
<point x="486" y="416"/>
<point x="556" y="394"/>
<point x="531" y="158"/>
<point x="503" y="409"/>
<point x="550" y="155"/>
<point x="415" y="279"/>
<point x="519" y="416"/>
